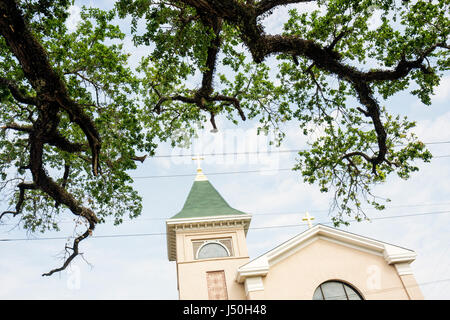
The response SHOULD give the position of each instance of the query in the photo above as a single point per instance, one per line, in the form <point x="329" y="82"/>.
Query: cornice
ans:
<point x="201" y="223"/>
<point x="260" y="266"/>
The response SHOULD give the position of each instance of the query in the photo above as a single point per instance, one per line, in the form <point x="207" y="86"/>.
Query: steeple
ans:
<point x="207" y="241"/>
<point x="204" y="201"/>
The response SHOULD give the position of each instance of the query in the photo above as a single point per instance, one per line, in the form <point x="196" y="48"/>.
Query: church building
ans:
<point x="207" y="239"/>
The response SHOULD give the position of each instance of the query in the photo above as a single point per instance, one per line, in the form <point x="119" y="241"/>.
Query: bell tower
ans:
<point x="207" y="239"/>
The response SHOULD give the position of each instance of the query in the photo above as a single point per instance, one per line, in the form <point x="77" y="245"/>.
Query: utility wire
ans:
<point x="212" y="173"/>
<point x="250" y="228"/>
<point x="231" y="172"/>
<point x="139" y="219"/>
<point x="258" y="152"/>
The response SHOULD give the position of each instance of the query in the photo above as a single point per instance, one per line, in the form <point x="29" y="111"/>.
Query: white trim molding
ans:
<point x="261" y="265"/>
<point x="256" y="268"/>
<point x="403" y="269"/>
<point x="394" y="255"/>
<point x="253" y="284"/>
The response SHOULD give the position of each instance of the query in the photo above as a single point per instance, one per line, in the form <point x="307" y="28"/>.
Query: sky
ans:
<point x="134" y="265"/>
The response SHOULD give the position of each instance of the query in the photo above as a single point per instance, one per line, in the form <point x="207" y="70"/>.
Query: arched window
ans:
<point x="336" y="290"/>
<point x="212" y="249"/>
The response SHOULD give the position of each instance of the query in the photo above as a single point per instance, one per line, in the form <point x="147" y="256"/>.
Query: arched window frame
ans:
<point x="209" y="242"/>
<point x="344" y="283"/>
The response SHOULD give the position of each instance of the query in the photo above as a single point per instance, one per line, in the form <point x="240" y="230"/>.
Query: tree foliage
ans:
<point x="75" y="118"/>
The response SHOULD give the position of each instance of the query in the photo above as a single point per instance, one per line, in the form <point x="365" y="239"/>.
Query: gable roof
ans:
<point x="260" y="266"/>
<point x="205" y="201"/>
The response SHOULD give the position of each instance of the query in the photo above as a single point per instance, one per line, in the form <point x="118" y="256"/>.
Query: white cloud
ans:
<point x="375" y="20"/>
<point x="274" y="25"/>
<point x="74" y="17"/>
<point x="442" y="92"/>
<point x="435" y="129"/>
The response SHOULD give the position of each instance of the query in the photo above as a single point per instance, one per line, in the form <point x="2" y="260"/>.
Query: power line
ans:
<point x="354" y="220"/>
<point x="437" y="142"/>
<point x="227" y="153"/>
<point x="299" y="212"/>
<point x="418" y="284"/>
<point x="139" y="219"/>
<point x="250" y="228"/>
<point x="233" y="172"/>
<point x="212" y="173"/>
<point x="258" y="152"/>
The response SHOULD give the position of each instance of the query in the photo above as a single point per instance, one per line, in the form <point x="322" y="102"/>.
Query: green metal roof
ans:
<point x="204" y="201"/>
